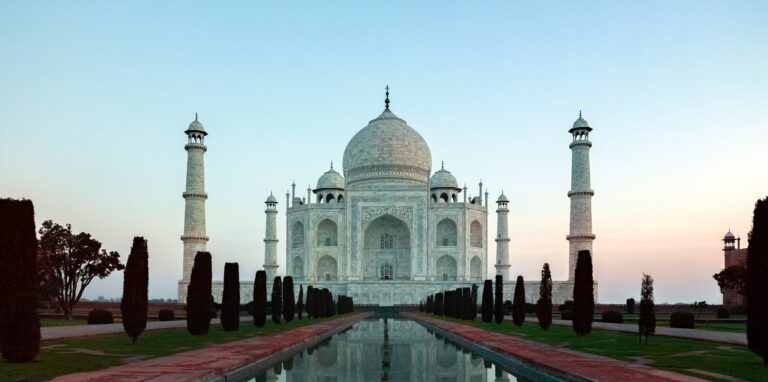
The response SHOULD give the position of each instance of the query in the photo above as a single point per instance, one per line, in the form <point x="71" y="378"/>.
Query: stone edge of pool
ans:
<point x="550" y="360"/>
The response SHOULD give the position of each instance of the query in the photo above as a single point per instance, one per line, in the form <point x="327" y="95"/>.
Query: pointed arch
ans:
<point x="446" y="268"/>
<point x="297" y="235"/>
<point x="475" y="268"/>
<point x="327" y="269"/>
<point x="327" y="233"/>
<point x="446" y="233"/>
<point x="476" y="234"/>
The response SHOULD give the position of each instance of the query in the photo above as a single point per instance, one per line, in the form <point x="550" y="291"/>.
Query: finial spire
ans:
<point x="442" y="165"/>
<point x="386" y="100"/>
<point x="195" y="116"/>
<point x="331" y="165"/>
<point x="579" y="113"/>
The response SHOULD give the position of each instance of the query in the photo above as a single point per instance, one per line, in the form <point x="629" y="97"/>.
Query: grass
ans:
<point x="59" y="357"/>
<point x="668" y="353"/>
<point x="61" y="322"/>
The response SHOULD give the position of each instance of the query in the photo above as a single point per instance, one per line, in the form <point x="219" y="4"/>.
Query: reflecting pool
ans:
<point x="386" y="349"/>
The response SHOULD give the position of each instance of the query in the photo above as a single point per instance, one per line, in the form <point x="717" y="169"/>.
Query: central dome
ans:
<point x="387" y="148"/>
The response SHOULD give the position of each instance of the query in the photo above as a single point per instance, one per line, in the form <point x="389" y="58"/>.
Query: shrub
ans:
<point x="19" y="323"/>
<point x="289" y="302"/>
<point x="566" y="315"/>
<point x="230" y="298"/>
<point x="277" y="299"/>
<point x="544" y="304"/>
<point x="612" y="316"/>
<point x="166" y="315"/>
<point x="684" y="320"/>
<point x="300" y="301"/>
<point x="723" y="313"/>
<point x="739" y="309"/>
<point x="100" y="316"/>
<point x="199" y="297"/>
<point x="518" y="305"/>
<point x="134" y="306"/>
<point x="630" y="306"/>
<point x="567" y="305"/>
<point x="260" y="299"/>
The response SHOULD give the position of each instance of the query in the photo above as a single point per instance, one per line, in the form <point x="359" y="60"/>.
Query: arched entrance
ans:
<point x="387" y="246"/>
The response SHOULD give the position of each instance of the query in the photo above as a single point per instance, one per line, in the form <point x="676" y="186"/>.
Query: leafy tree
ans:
<point x="498" y="313"/>
<point x="289" y="304"/>
<point x="518" y="305"/>
<point x="699" y="307"/>
<point x="277" y="299"/>
<point x="230" y="299"/>
<point x="260" y="299"/>
<point x="134" y="304"/>
<point x="647" y="322"/>
<point x="544" y="311"/>
<point x="19" y="323"/>
<point x="69" y="262"/>
<point x="630" y="306"/>
<point x="199" y="297"/>
<point x="300" y="302"/>
<point x="757" y="287"/>
<point x="733" y="277"/>
<point x="583" y="294"/>
<point x="487" y="308"/>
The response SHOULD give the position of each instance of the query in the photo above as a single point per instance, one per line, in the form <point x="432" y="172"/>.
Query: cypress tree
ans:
<point x="19" y="323"/>
<point x="544" y="304"/>
<point x="277" y="299"/>
<point x="199" y="297"/>
<point x="230" y="299"/>
<point x="134" y="304"/>
<point x="289" y="304"/>
<point x="473" y="302"/>
<point x="309" y="304"/>
<point x="518" y="302"/>
<point x="439" y="304"/>
<point x="647" y="322"/>
<point x="583" y="294"/>
<point x="260" y="299"/>
<point x="630" y="305"/>
<point x="757" y="285"/>
<point x="487" y="308"/>
<point x="300" y="302"/>
<point x="498" y="313"/>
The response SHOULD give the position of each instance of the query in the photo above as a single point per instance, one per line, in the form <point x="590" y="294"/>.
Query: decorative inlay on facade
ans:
<point x="370" y="213"/>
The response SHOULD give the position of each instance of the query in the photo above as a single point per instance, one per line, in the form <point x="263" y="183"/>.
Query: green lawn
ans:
<point x="61" y="357"/>
<point x="674" y="354"/>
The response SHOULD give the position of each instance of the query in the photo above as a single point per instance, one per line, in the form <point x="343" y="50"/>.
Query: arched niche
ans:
<point x="298" y="267"/>
<point x="446" y="268"/>
<point x="475" y="268"/>
<point x="387" y="240"/>
<point x="476" y="234"/>
<point x="327" y="233"/>
<point x="446" y="233"/>
<point x="297" y="235"/>
<point x="327" y="269"/>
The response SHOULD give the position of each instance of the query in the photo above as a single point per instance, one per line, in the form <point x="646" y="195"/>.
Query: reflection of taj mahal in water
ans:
<point x="386" y="232"/>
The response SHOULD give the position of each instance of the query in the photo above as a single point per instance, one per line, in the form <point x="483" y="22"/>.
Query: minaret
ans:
<point x="581" y="236"/>
<point x="502" y="237"/>
<point x="270" y="239"/>
<point x="194" y="237"/>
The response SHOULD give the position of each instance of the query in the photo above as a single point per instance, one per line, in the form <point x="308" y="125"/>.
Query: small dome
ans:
<point x="443" y="179"/>
<point x="196" y="126"/>
<point x="729" y="235"/>
<point x="330" y="179"/>
<point x="502" y="198"/>
<point x="271" y="199"/>
<point x="580" y="123"/>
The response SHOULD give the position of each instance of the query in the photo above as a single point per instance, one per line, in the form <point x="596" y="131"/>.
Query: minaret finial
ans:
<point x="331" y="165"/>
<point x="579" y="113"/>
<point x="195" y="116"/>
<point x="386" y="100"/>
<point x="442" y="165"/>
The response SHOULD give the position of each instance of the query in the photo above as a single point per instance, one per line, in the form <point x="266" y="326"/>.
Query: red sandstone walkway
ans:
<point x="587" y="366"/>
<point x="208" y="362"/>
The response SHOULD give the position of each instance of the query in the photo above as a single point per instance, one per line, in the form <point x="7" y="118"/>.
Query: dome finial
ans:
<point x="195" y="116"/>
<point x="442" y="165"/>
<point x="579" y="113"/>
<point x="386" y="100"/>
<point x="331" y="165"/>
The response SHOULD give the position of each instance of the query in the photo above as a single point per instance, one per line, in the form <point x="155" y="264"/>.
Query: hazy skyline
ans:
<point x="94" y="99"/>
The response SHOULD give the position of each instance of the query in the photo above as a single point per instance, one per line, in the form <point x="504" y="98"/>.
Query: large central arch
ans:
<point x="387" y="242"/>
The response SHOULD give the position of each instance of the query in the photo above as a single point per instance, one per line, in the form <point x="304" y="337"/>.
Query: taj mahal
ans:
<point x="387" y="230"/>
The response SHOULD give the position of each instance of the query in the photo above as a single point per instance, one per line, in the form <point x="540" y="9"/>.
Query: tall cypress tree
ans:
<point x="498" y="304"/>
<point x="289" y="304"/>
<point x="518" y="303"/>
<point x="757" y="285"/>
<point x="473" y="303"/>
<point x="544" y="304"/>
<point x="260" y="299"/>
<point x="134" y="304"/>
<point x="230" y="300"/>
<point x="310" y="301"/>
<point x="300" y="302"/>
<point x="583" y="294"/>
<point x="199" y="297"/>
<point x="277" y="299"/>
<point x="439" y="304"/>
<point x="647" y="322"/>
<point x="19" y="323"/>
<point x="487" y="308"/>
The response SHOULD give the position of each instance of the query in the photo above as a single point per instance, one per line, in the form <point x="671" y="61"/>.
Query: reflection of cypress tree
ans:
<point x="260" y="299"/>
<point x="300" y="302"/>
<point x="19" y="323"/>
<point x="518" y="304"/>
<point x="498" y="313"/>
<point x="277" y="299"/>
<point x="134" y="304"/>
<point x="583" y="295"/>
<point x="289" y="306"/>
<point x="757" y="287"/>
<point x="230" y="299"/>
<point x="487" y="308"/>
<point x="199" y="298"/>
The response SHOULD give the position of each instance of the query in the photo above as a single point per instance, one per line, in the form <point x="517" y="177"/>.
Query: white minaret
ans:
<point x="502" y="237"/>
<point x="270" y="239"/>
<point x="581" y="236"/>
<point x="194" y="237"/>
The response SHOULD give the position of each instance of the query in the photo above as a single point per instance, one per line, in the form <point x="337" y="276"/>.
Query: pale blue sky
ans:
<point x="95" y="96"/>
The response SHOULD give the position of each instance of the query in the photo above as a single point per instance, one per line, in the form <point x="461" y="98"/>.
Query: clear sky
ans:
<point x="95" y="96"/>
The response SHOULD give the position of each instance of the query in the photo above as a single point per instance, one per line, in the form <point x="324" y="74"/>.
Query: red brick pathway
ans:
<point x="588" y="366"/>
<point x="210" y="361"/>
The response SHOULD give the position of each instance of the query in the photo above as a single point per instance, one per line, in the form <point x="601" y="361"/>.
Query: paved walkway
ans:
<point x="59" y="332"/>
<point x="211" y="361"/>
<point x="582" y="365"/>
<point x="695" y="334"/>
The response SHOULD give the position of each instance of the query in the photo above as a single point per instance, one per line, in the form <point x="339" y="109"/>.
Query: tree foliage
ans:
<point x="487" y="307"/>
<point x="544" y="304"/>
<point x="19" y="323"/>
<point x="733" y="277"/>
<point x="630" y="306"/>
<point x="583" y="294"/>
<point x="69" y="262"/>
<point x="134" y="304"/>
<point x="757" y="288"/>
<point x="518" y="303"/>
<point x="277" y="299"/>
<point x="260" y="299"/>
<point x="310" y="301"/>
<point x="230" y="299"/>
<point x="300" y="301"/>
<point x="498" y="303"/>
<point x="647" y="322"/>
<point x="289" y="301"/>
<point x="199" y="297"/>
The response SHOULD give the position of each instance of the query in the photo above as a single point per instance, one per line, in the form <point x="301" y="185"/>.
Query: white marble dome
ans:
<point x="443" y="179"/>
<point x="388" y="147"/>
<point x="580" y="123"/>
<point x="329" y="180"/>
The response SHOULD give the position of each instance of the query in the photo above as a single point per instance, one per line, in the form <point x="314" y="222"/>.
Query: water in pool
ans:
<point x="385" y="350"/>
